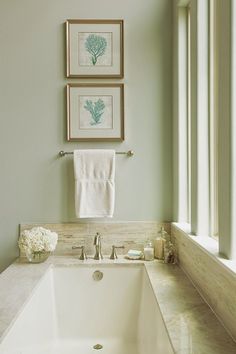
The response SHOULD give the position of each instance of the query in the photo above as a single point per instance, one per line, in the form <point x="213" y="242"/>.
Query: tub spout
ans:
<point x="97" y="244"/>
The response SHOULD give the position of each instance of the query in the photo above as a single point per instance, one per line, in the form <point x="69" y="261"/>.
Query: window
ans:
<point x="205" y="94"/>
<point x="196" y="142"/>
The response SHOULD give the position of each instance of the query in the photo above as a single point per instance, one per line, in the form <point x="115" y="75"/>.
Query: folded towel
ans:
<point x="94" y="183"/>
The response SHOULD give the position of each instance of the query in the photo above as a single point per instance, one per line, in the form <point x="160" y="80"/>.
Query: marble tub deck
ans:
<point x="191" y="325"/>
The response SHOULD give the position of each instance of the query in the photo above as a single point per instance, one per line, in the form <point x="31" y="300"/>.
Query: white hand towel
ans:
<point x="94" y="183"/>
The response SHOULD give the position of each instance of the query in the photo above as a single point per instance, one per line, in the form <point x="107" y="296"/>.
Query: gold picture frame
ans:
<point x="95" y="112"/>
<point x="95" y="48"/>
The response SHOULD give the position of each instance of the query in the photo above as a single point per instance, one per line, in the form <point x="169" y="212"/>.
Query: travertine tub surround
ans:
<point x="131" y="234"/>
<point x="215" y="282"/>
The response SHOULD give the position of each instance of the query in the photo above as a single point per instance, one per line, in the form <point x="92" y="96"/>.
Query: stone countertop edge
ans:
<point x="191" y="325"/>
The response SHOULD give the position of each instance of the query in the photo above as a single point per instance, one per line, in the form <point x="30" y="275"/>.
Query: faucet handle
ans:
<point x="83" y="255"/>
<point x="113" y="251"/>
<point x="97" y="237"/>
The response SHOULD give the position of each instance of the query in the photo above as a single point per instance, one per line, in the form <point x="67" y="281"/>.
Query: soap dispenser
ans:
<point x="160" y="243"/>
<point x="148" y="251"/>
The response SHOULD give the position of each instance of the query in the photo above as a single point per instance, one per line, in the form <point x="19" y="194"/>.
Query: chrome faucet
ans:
<point x="97" y="244"/>
<point x="83" y="255"/>
<point x="113" y="252"/>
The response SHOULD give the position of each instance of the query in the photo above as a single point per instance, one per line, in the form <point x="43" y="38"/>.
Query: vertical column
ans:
<point x="175" y="113"/>
<point x="226" y="12"/>
<point x="232" y="252"/>
<point x="183" y="114"/>
<point x="180" y="111"/>
<point x="199" y="119"/>
<point x="213" y="117"/>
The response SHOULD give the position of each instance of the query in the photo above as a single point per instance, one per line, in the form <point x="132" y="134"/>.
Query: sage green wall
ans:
<point x="35" y="185"/>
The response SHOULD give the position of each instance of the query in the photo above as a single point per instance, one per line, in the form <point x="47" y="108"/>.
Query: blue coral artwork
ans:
<point x="95" y="112"/>
<point x="95" y="49"/>
<point x="96" y="109"/>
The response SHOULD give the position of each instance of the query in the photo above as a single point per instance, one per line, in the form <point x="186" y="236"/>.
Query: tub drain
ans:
<point x="97" y="346"/>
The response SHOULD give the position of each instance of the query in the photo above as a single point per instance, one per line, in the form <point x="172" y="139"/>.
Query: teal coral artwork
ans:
<point x="96" y="110"/>
<point x="95" y="49"/>
<point x="96" y="46"/>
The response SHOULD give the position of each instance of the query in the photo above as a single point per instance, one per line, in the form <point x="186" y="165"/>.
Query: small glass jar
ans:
<point x="37" y="257"/>
<point x="170" y="254"/>
<point x="148" y="251"/>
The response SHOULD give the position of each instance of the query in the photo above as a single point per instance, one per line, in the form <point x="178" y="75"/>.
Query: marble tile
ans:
<point x="192" y="326"/>
<point x="16" y="285"/>
<point x="131" y="234"/>
<point x="216" y="284"/>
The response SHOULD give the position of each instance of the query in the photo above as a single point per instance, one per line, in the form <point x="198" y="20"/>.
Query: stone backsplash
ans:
<point x="131" y="234"/>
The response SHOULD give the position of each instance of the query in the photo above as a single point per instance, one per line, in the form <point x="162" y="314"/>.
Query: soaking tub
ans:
<point x="83" y="309"/>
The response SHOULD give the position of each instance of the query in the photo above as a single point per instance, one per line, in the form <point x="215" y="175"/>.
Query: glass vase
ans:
<point x="37" y="257"/>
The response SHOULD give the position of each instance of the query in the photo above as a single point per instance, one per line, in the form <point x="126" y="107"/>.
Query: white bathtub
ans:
<point x="69" y="312"/>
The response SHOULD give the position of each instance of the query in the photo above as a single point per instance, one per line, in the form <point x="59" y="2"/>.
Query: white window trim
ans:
<point x="182" y="129"/>
<point x="213" y="120"/>
<point x="233" y="128"/>
<point x="227" y="128"/>
<point x="200" y="195"/>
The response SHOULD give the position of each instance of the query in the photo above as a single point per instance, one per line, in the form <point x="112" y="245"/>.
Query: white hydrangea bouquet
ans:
<point x="37" y="243"/>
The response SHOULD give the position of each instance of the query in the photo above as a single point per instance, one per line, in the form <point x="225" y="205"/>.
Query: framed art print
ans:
<point x="95" y="48"/>
<point x="95" y="112"/>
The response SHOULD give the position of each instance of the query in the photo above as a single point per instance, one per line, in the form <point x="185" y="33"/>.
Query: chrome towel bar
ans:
<point x="127" y="153"/>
